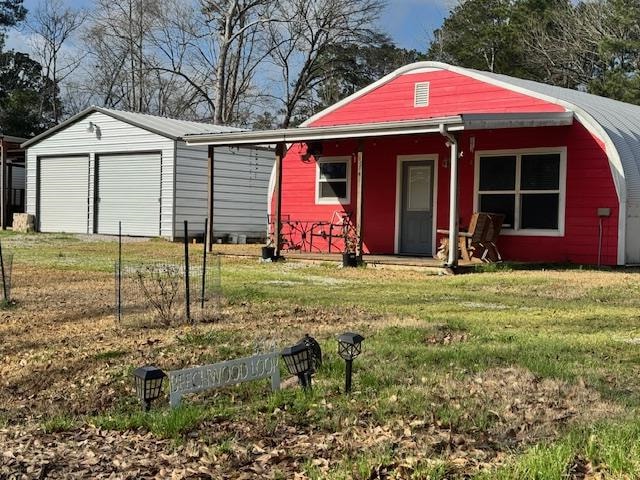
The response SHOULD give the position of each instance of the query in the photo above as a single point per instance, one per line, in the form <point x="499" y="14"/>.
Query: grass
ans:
<point x="430" y="343"/>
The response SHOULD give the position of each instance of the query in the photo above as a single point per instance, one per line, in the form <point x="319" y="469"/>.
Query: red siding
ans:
<point x="589" y="186"/>
<point x="450" y="94"/>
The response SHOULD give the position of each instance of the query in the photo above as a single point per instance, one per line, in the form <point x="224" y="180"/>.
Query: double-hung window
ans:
<point x="333" y="180"/>
<point x="528" y="187"/>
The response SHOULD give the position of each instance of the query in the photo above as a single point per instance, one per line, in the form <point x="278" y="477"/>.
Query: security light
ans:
<point x="349" y="347"/>
<point x="148" y="384"/>
<point x="299" y="361"/>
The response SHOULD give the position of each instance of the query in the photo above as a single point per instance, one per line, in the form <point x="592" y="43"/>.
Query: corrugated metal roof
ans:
<point x="167" y="127"/>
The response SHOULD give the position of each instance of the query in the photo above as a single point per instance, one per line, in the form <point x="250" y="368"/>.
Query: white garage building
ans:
<point x="104" y="166"/>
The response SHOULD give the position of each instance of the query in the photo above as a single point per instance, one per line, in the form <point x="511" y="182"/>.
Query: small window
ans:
<point x="528" y="188"/>
<point x="333" y="180"/>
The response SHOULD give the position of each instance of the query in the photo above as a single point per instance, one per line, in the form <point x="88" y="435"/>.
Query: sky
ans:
<point x="408" y="22"/>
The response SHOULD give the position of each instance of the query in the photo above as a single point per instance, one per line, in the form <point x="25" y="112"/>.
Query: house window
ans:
<point x="333" y="180"/>
<point x="527" y="187"/>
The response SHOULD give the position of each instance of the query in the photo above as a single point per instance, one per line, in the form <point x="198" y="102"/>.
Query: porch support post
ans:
<point x="359" y="199"/>
<point x="209" y="232"/>
<point x="452" y="261"/>
<point x="3" y="185"/>
<point x="277" y="211"/>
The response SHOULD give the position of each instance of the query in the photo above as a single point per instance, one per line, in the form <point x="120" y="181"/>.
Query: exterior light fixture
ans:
<point x="148" y="384"/>
<point x="91" y="127"/>
<point x="316" y="352"/>
<point x="349" y="347"/>
<point x="299" y="361"/>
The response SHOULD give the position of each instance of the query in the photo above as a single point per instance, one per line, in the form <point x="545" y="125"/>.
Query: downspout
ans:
<point x="452" y="261"/>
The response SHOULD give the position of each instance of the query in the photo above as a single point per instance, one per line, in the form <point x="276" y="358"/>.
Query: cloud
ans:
<point x="20" y="41"/>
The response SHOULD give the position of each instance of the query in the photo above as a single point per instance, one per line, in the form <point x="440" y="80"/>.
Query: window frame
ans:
<point x="515" y="230"/>
<point x="333" y="200"/>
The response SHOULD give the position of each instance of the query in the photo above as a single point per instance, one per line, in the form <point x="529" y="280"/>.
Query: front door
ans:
<point x="416" y="209"/>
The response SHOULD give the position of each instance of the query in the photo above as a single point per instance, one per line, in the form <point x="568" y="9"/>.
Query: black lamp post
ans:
<point x="299" y="361"/>
<point x="148" y="384"/>
<point x="349" y="347"/>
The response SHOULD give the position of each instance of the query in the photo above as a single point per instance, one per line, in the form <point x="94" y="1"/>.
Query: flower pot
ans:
<point x="268" y="253"/>
<point x="349" y="259"/>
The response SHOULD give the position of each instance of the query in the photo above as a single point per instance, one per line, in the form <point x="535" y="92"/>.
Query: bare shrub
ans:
<point x="161" y="285"/>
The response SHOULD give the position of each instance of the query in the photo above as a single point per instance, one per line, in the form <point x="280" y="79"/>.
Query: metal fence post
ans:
<point x="4" y="276"/>
<point x="186" y="270"/>
<point x="119" y="272"/>
<point x="204" y="264"/>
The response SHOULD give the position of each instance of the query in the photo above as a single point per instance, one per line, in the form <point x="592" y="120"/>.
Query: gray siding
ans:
<point x="114" y="136"/>
<point x="241" y="181"/>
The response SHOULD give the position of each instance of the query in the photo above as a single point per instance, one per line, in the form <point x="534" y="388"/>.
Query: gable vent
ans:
<point x="421" y="96"/>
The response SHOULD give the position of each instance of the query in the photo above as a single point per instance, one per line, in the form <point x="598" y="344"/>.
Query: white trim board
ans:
<point x="562" y="183"/>
<point x="400" y="159"/>
<point x="334" y="200"/>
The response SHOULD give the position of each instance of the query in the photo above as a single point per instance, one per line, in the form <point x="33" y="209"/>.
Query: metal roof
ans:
<point x="621" y="122"/>
<point x="166" y="127"/>
<point x="12" y="139"/>
<point x="381" y="129"/>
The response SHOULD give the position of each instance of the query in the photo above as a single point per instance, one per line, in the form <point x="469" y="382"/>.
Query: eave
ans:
<point x="454" y="123"/>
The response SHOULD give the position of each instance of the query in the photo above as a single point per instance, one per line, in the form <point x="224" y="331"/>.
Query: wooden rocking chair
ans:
<point x="479" y="242"/>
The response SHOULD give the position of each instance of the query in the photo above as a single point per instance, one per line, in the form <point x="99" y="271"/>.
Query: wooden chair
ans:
<point x="479" y="241"/>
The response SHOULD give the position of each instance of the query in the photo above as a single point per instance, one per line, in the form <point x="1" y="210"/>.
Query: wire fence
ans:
<point x="168" y="291"/>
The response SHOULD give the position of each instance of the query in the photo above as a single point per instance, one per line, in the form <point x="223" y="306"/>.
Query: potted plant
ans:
<point x="349" y="257"/>
<point x="269" y="250"/>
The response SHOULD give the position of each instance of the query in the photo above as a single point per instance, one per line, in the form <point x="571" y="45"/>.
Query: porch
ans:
<point x="370" y="172"/>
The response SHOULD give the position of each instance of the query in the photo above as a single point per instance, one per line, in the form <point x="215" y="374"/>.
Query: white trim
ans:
<point x="399" y="161"/>
<point x="334" y="200"/>
<point x="615" y="163"/>
<point x="562" y="191"/>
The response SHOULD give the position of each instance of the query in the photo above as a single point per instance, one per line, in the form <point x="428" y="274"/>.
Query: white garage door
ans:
<point x="64" y="194"/>
<point x="129" y="192"/>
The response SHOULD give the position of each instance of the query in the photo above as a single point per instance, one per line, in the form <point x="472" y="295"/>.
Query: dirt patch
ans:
<point x="511" y="406"/>
<point x="445" y="335"/>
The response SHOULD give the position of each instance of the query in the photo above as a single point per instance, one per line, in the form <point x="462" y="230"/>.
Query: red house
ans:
<point x="426" y="146"/>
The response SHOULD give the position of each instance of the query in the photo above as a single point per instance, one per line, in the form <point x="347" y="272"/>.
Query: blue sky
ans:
<point x="408" y="22"/>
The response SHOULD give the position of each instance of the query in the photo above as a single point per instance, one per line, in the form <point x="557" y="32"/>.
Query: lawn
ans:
<point x="508" y="374"/>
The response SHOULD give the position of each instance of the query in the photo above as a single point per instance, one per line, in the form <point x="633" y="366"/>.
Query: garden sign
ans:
<point x="206" y="377"/>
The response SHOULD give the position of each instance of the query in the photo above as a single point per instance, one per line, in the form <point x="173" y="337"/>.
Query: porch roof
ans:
<point x="476" y="121"/>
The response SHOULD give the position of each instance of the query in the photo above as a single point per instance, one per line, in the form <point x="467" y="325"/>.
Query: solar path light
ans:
<point x="299" y="361"/>
<point x="349" y="347"/>
<point x="316" y="352"/>
<point x="148" y="384"/>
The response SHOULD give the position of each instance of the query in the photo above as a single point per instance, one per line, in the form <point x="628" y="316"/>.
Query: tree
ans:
<point x="301" y="43"/>
<point x="488" y="35"/>
<point x="12" y="12"/>
<point x="241" y="47"/>
<point x="354" y="66"/>
<point x="54" y="24"/>
<point x="22" y="113"/>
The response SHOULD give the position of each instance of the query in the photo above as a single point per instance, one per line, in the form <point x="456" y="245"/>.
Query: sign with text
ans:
<point x="206" y="377"/>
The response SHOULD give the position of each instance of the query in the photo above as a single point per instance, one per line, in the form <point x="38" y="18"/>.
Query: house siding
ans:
<point x="450" y="94"/>
<point x="240" y="186"/>
<point x="589" y="186"/>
